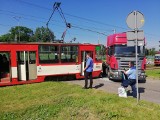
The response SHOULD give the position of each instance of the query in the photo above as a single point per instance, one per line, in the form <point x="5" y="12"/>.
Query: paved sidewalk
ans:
<point x="149" y="91"/>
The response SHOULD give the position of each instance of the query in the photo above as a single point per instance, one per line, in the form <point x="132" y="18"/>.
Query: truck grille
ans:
<point x="123" y="63"/>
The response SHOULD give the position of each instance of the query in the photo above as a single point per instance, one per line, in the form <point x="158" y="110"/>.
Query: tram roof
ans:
<point x="43" y="43"/>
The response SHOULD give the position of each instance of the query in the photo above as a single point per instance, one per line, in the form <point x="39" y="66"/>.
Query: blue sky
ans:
<point x="102" y="16"/>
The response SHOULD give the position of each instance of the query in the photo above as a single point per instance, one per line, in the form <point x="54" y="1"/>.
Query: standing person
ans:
<point x="88" y="71"/>
<point x="131" y="74"/>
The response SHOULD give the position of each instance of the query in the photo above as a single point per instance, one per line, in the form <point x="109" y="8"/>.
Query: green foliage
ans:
<point x="59" y="101"/>
<point x="43" y="35"/>
<point x="18" y="33"/>
<point x="151" y="51"/>
<point x="153" y="73"/>
<point x="24" y="34"/>
<point x="6" y="38"/>
<point x="103" y="50"/>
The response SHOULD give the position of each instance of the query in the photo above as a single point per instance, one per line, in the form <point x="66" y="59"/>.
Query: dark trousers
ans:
<point x="88" y="75"/>
<point x="132" y="83"/>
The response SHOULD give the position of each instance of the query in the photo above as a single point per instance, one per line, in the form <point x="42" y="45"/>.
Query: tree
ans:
<point x="43" y="34"/>
<point x="18" y="33"/>
<point x="5" y="38"/>
<point x="22" y="33"/>
<point x="151" y="51"/>
<point x="103" y="50"/>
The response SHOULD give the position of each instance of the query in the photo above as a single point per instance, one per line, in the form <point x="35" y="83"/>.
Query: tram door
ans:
<point x="27" y="68"/>
<point x="5" y="67"/>
<point x="83" y="60"/>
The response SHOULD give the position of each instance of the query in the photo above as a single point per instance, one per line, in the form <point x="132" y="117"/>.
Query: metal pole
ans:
<point x="98" y="39"/>
<point x="136" y="33"/>
<point x="18" y="31"/>
<point x="114" y="31"/>
<point x="18" y="19"/>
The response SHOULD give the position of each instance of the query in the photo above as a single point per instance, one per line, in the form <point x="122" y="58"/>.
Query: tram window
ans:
<point x="98" y="56"/>
<point x="84" y="53"/>
<point x="20" y="57"/>
<point x="32" y="57"/>
<point x="69" y="54"/>
<point x="48" y="54"/>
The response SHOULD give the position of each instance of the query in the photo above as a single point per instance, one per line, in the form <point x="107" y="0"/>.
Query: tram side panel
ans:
<point x="30" y="63"/>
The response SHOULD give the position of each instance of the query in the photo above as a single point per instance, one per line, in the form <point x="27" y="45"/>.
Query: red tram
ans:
<point x="22" y="63"/>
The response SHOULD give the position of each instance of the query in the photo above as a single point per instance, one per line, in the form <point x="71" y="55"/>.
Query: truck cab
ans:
<point x="119" y="55"/>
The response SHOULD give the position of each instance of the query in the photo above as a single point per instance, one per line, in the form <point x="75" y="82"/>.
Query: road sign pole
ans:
<point x="137" y="68"/>
<point x="135" y="20"/>
<point x="136" y="46"/>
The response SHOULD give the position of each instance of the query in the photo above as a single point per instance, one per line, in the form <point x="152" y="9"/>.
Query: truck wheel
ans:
<point x="106" y="72"/>
<point x="104" y="69"/>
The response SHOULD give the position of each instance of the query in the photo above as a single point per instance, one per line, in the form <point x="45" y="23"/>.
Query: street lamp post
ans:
<point x="17" y="18"/>
<point x="114" y="31"/>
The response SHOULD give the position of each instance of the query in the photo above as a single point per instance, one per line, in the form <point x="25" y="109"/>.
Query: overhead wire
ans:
<point x="35" y="20"/>
<point x="51" y="20"/>
<point x="31" y="19"/>
<point x="86" y="27"/>
<point x="89" y="30"/>
<point x="74" y="26"/>
<point x="77" y="27"/>
<point x="5" y="25"/>
<point x="82" y="18"/>
<point x="31" y="4"/>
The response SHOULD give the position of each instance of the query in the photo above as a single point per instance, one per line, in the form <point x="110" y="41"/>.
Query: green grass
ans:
<point x="153" y="74"/>
<point x="59" y="101"/>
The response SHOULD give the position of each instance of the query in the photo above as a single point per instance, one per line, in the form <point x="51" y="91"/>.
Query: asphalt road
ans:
<point x="149" y="91"/>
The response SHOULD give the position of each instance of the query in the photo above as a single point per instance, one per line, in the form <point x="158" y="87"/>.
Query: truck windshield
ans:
<point x="125" y="50"/>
